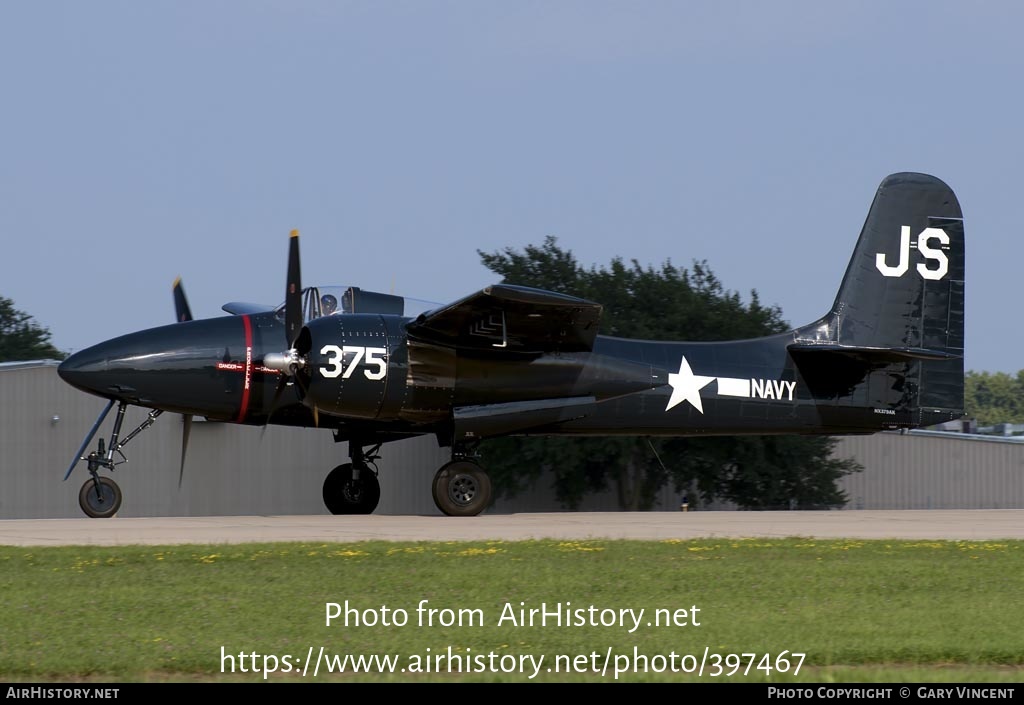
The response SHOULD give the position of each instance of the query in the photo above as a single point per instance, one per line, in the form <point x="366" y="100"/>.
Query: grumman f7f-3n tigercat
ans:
<point x="515" y="360"/>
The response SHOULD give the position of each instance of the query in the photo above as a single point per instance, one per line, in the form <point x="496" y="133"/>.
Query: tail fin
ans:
<point x="899" y="312"/>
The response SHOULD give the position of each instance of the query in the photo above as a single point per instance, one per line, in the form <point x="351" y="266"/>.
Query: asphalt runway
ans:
<point x="936" y="524"/>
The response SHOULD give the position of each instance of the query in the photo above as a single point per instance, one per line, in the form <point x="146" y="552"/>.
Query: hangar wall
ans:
<point x="934" y="470"/>
<point x="240" y="470"/>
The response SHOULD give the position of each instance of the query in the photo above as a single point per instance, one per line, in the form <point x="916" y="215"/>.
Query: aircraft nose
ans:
<point x="68" y="370"/>
<point x="89" y="370"/>
<point x="193" y="367"/>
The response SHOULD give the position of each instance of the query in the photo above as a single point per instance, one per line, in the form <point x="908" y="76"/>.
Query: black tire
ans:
<point x="343" y="495"/>
<point x="462" y="489"/>
<point x="100" y="501"/>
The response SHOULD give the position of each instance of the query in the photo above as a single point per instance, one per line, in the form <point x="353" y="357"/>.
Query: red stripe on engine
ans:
<point x="244" y="409"/>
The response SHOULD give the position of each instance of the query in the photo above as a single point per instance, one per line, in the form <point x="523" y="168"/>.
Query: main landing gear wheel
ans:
<point x="343" y="495"/>
<point x="100" y="497"/>
<point x="462" y="489"/>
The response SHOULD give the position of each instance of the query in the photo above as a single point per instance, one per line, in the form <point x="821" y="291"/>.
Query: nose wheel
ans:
<point x="100" y="497"/>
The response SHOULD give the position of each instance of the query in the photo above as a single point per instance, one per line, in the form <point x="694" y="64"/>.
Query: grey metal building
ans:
<point x="934" y="470"/>
<point x="241" y="470"/>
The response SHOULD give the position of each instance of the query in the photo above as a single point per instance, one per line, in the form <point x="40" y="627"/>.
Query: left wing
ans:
<point x="512" y="318"/>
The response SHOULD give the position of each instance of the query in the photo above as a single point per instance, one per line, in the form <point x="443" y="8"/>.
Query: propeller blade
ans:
<point x="185" y="431"/>
<point x="286" y="362"/>
<point x="181" y="307"/>
<point x="281" y="384"/>
<point x="279" y="389"/>
<point x="293" y="292"/>
<point x="299" y="380"/>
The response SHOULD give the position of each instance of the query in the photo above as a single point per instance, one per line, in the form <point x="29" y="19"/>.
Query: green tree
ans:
<point x="665" y="303"/>
<point x="994" y="397"/>
<point x="21" y="338"/>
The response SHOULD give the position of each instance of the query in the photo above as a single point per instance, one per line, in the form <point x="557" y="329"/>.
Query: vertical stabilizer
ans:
<point x="900" y="308"/>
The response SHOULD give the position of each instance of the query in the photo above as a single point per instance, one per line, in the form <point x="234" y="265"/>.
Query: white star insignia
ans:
<point x="686" y="386"/>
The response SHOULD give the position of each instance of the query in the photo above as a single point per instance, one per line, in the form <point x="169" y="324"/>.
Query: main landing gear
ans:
<point x="353" y="488"/>
<point x="460" y="488"/>
<point x="100" y="497"/>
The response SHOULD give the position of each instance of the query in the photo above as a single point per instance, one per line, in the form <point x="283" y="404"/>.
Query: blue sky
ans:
<point x="147" y="140"/>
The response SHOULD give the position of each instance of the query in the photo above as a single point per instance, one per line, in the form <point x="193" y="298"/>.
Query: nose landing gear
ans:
<point x="100" y="497"/>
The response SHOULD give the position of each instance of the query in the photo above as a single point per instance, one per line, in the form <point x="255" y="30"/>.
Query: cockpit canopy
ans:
<point x="320" y="301"/>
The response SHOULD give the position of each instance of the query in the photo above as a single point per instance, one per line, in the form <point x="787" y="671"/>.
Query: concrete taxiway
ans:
<point x="975" y="525"/>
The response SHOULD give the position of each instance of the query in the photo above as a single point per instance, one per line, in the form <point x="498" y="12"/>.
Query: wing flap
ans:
<point x="512" y="318"/>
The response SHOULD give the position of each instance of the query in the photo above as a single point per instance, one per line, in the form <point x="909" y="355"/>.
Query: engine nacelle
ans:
<point x="354" y="365"/>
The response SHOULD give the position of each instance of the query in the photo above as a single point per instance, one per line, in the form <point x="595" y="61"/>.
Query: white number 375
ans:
<point x="373" y="359"/>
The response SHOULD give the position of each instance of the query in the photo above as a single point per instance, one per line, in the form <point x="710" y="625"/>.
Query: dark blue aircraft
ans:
<point x="508" y="359"/>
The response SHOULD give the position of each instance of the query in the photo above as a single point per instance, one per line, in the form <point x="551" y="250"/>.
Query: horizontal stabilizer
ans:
<point x="874" y="353"/>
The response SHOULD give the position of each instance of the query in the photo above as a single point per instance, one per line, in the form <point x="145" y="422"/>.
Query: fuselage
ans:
<point x="364" y="368"/>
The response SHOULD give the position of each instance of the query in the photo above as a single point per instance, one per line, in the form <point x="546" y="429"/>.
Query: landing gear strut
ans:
<point x="353" y="488"/>
<point x="100" y="497"/>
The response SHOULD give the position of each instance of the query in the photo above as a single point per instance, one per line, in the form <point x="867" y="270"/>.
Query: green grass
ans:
<point x="860" y="611"/>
